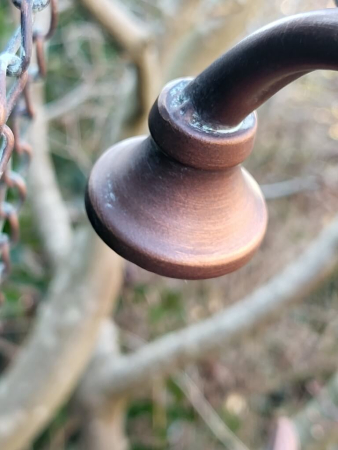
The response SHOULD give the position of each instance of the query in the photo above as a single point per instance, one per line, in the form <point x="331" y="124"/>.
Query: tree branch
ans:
<point x="136" y="40"/>
<point x="222" y="433"/>
<point x="102" y="423"/>
<point x="289" y="187"/>
<point x="208" y="39"/>
<point x="119" y="376"/>
<point x="61" y="343"/>
<point x="49" y="208"/>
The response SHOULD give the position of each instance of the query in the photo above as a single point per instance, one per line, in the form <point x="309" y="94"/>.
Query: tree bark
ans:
<point x="102" y="424"/>
<point x="61" y="343"/>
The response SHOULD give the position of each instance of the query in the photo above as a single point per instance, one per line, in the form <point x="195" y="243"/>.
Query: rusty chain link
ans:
<point x="15" y="102"/>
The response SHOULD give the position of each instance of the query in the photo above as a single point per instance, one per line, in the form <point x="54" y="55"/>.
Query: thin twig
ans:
<point x="69" y="101"/>
<point x="217" y="426"/>
<point x="289" y="187"/>
<point x="223" y="434"/>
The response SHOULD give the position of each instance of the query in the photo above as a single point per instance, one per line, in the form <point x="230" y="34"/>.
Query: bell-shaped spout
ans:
<point x="255" y="69"/>
<point x="178" y="202"/>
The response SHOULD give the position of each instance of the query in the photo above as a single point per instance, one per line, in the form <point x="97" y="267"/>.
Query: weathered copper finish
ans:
<point x="199" y="217"/>
<point x="255" y="69"/>
<point x="178" y="202"/>
<point x="180" y="134"/>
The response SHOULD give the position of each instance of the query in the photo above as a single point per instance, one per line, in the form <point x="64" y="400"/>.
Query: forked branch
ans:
<point x="136" y="40"/>
<point x="122" y="375"/>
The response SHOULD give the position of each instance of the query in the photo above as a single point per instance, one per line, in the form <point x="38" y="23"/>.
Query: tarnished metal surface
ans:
<point x="15" y="63"/>
<point x="256" y="68"/>
<point x="178" y="203"/>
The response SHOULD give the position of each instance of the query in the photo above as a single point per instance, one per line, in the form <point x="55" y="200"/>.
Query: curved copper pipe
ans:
<point x="255" y="69"/>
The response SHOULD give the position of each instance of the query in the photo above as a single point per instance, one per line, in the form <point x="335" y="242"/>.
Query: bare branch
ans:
<point x="289" y="187"/>
<point x="106" y="347"/>
<point x="69" y="101"/>
<point x="224" y="435"/>
<point x="201" y="405"/>
<point x="130" y="33"/>
<point x="119" y="376"/>
<point x="61" y="343"/>
<point x="48" y="206"/>
<point x="209" y="39"/>
<point x="102" y="424"/>
<point x="187" y="11"/>
<point x="136" y="40"/>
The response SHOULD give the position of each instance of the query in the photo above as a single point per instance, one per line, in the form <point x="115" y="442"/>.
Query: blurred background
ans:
<point x="102" y="78"/>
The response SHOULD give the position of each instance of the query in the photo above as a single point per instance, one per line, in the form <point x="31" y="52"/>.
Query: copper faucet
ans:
<point x="178" y="202"/>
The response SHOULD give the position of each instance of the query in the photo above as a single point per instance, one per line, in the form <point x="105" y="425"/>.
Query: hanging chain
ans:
<point x="15" y="103"/>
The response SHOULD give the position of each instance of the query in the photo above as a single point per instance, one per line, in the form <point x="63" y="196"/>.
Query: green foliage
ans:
<point x="171" y="304"/>
<point x="233" y="421"/>
<point x="142" y="412"/>
<point x="6" y="24"/>
<point x="59" y="421"/>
